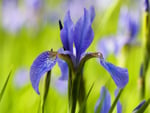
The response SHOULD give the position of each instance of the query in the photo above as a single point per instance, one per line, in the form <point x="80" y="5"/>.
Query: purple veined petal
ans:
<point x="83" y="33"/>
<point x="139" y="106"/>
<point x="119" y="106"/>
<point x="64" y="69"/>
<point x="119" y="75"/>
<point x="105" y="96"/>
<point x="108" y="45"/>
<point x="42" y="64"/>
<point x="67" y="33"/>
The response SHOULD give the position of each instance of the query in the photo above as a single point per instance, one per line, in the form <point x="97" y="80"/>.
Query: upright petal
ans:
<point x="105" y="100"/>
<point x="42" y="64"/>
<point x="119" y="75"/>
<point x="64" y="69"/>
<point x="83" y="33"/>
<point x="67" y="33"/>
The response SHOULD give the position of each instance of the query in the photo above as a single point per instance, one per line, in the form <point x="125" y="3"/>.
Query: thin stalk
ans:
<point x="46" y="89"/>
<point x="115" y="101"/>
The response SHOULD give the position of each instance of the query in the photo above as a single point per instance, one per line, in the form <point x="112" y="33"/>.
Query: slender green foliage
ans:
<point x="5" y="85"/>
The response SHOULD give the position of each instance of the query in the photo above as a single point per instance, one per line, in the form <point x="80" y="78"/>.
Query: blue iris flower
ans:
<point x="81" y="35"/>
<point x="128" y="28"/>
<point x="105" y="100"/>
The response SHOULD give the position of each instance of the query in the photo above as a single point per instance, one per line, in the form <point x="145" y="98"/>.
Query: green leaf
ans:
<point x="5" y="85"/>
<point x="85" y="100"/>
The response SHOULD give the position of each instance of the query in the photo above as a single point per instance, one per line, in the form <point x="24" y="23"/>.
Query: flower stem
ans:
<point x="115" y="101"/>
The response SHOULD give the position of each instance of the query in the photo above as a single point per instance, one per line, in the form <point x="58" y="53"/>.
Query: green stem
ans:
<point x="75" y="92"/>
<point x="46" y="89"/>
<point x="143" y="77"/>
<point x="115" y="101"/>
<point x="82" y="94"/>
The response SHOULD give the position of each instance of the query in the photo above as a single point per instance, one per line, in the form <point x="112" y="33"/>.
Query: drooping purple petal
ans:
<point x="64" y="69"/>
<point x="83" y="33"/>
<point x="119" y="75"/>
<point x="42" y="64"/>
<point x="67" y="33"/>
<point x="105" y="98"/>
<point x="119" y="106"/>
<point x="139" y="106"/>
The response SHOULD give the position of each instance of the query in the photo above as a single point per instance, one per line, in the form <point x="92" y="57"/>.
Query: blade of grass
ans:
<point x="85" y="100"/>
<point x="5" y="85"/>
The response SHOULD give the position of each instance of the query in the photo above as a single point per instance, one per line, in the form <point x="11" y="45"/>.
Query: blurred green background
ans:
<point x="39" y="31"/>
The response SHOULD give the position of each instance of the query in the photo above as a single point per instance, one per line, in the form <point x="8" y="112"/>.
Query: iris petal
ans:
<point x="139" y="106"/>
<point x="42" y="64"/>
<point x="67" y="33"/>
<point x="83" y="33"/>
<point x="64" y="69"/>
<point x="106" y="101"/>
<point x="119" y="75"/>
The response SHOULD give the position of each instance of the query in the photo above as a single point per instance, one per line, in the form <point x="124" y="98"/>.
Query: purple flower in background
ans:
<point x="34" y="4"/>
<point x="61" y="86"/>
<point x="139" y="106"/>
<point x="104" y="103"/>
<point x="21" y="77"/>
<point x="16" y="15"/>
<point x="128" y="28"/>
<point x="146" y="3"/>
<point x="128" y="25"/>
<point x="81" y="35"/>
<point x="12" y="17"/>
